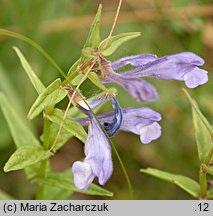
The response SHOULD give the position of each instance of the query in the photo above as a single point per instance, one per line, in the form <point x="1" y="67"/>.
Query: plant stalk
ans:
<point x="203" y="184"/>
<point x="43" y="166"/>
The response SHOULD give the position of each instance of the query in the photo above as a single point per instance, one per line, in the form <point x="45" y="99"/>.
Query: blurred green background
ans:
<point x="61" y="27"/>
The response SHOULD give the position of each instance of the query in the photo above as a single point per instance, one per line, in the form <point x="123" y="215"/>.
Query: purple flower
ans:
<point x="141" y="121"/>
<point x="182" y="66"/>
<point x="113" y="126"/>
<point x="98" y="161"/>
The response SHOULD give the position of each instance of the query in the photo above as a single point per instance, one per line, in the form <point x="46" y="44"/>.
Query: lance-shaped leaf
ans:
<point x="187" y="184"/>
<point x="71" y="126"/>
<point x="64" y="182"/>
<point x="93" y="38"/>
<point x="25" y="156"/>
<point x="203" y="130"/>
<point x="38" y="85"/>
<point x="115" y="42"/>
<point x="20" y="132"/>
<point x="51" y="96"/>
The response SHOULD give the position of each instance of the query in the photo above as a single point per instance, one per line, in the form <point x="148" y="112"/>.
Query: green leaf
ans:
<point x="209" y="170"/>
<point x="32" y="171"/>
<point x="5" y="196"/>
<point x="73" y="70"/>
<point x="62" y="181"/>
<point x="77" y="79"/>
<point x="95" y="79"/>
<point x="115" y="42"/>
<point x="20" y="132"/>
<point x="187" y="184"/>
<point x="25" y="156"/>
<point x="92" y="87"/>
<point x="203" y="130"/>
<point x="7" y="86"/>
<point x="64" y="137"/>
<point x="71" y="126"/>
<point x="51" y="96"/>
<point x="55" y="193"/>
<point x="203" y="137"/>
<point x="93" y="38"/>
<point x="38" y="85"/>
<point x="88" y="89"/>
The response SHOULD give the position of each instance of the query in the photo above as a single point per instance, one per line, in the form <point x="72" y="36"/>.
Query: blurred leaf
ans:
<point x="38" y="85"/>
<point x="203" y="138"/>
<point x="32" y="171"/>
<point x="62" y="181"/>
<point x="20" y="132"/>
<point x="87" y="52"/>
<point x="115" y="42"/>
<point x="95" y="79"/>
<point x="56" y="193"/>
<point x="25" y="156"/>
<point x="210" y="170"/>
<point x="71" y="126"/>
<point x="92" y="87"/>
<point x="64" y="137"/>
<point x="89" y="90"/>
<point x="187" y="184"/>
<point x="77" y="79"/>
<point x="5" y="196"/>
<point x="35" y="45"/>
<point x="93" y="38"/>
<point x="51" y="96"/>
<point x="6" y="85"/>
<point x="203" y="130"/>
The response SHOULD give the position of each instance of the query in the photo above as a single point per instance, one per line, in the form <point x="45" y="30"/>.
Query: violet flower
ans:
<point x="182" y="66"/>
<point x="140" y="121"/>
<point x="98" y="161"/>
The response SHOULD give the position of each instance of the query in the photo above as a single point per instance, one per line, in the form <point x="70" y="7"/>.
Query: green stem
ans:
<point x="43" y="165"/>
<point x="203" y="171"/>
<point x="41" y="174"/>
<point x="123" y="168"/>
<point x="203" y="184"/>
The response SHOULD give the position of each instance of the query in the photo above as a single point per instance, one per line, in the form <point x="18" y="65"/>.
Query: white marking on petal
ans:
<point x="83" y="175"/>
<point x="195" y="78"/>
<point x="150" y="132"/>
